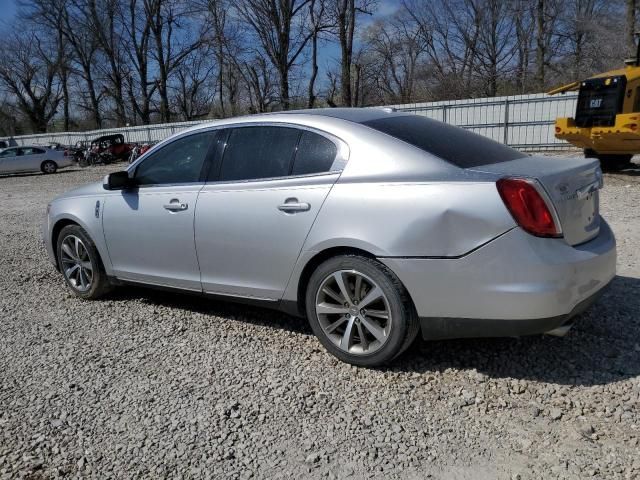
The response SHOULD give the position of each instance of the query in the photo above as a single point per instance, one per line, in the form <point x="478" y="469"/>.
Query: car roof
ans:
<point x="358" y="115"/>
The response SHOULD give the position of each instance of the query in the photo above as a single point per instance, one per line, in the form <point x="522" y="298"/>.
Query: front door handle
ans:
<point x="291" y="205"/>
<point x="175" y="206"/>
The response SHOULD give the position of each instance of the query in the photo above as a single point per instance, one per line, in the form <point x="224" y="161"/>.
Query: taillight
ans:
<point x="528" y="207"/>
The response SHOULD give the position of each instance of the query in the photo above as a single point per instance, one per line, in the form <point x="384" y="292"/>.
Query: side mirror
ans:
<point x="117" y="181"/>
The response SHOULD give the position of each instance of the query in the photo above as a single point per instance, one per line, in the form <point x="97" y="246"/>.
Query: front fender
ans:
<point x="86" y="212"/>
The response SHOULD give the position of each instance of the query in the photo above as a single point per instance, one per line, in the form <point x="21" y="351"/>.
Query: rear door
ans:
<point x="32" y="158"/>
<point x="258" y="206"/>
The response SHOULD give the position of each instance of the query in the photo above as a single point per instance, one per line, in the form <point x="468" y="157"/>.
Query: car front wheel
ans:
<point x="80" y="263"/>
<point x="360" y="311"/>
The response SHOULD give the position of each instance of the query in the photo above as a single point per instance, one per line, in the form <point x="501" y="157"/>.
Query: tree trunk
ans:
<point x="314" y="69"/>
<point x="346" y="27"/>
<point x="284" y="89"/>
<point x="540" y="45"/>
<point x="631" y="27"/>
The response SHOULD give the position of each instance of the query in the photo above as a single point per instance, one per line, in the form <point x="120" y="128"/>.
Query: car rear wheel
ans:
<point x="360" y="311"/>
<point x="80" y="263"/>
<point x="49" y="166"/>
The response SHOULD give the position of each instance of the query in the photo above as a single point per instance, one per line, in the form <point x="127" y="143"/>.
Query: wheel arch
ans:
<point x="314" y="262"/>
<point x="59" y="224"/>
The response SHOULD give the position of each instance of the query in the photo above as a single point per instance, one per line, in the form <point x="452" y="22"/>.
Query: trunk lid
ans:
<point x="572" y="185"/>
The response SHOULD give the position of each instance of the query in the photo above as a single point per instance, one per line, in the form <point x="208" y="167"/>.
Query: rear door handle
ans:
<point x="176" y="206"/>
<point x="291" y="205"/>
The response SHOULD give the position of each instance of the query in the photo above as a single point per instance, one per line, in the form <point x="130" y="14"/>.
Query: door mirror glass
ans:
<point x="117" y="181"/>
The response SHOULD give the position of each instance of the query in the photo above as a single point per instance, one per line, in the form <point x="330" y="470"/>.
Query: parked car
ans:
<point x="112" y="146"/>
<point x="32" y="159"/>
<point x="373" y="224"/>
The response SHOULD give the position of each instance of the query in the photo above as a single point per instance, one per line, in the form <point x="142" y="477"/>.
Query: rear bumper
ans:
<point x="442" y="328"/>
<point x="517" y="284"/>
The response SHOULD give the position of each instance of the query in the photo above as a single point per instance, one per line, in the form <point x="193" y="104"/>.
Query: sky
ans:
<point x="7" y="9"/>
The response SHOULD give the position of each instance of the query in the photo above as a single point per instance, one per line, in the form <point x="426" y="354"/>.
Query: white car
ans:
<point x="33" y="159"/>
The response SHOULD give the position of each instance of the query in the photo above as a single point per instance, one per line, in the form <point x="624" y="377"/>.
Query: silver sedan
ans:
<point x="32" y="159"/>
<point x="372" y="224"/>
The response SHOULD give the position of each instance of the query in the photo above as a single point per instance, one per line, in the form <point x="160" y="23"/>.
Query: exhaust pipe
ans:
<point x="561" y="331"/>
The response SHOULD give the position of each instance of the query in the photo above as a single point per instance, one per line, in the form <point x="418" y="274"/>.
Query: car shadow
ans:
<point x="603" y="346"/>
<point x="256" y="315"/>
<point x="632" y="171"/>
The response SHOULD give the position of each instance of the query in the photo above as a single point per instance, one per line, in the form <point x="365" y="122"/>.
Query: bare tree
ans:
<point x="104" y="15"/>
<point x="280" y="28"/>
<point x="344" y="14"/>
<point x="136" y="28"/>
<point x="28" y="72"/>
<point x="398" y="46"/>
<point x="170" y="22"/>
<point x="193" y="95"/>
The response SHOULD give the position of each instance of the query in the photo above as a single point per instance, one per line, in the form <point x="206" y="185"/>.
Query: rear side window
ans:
<point x="453" y="144"/>
<point x="259" y="152"/>
<point x="315" y="154"/>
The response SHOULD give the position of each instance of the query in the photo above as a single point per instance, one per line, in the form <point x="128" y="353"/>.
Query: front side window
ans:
<point x="315" y="154"/>
<point x="259" y="152"/>
<point x="180" y="161"/>
<point x="10" y="152"/>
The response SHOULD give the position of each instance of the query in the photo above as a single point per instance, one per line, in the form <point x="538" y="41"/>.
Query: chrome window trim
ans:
<point x="339" y="163"/>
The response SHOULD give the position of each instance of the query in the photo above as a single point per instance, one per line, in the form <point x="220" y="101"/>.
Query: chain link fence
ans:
<point x="525" y="122"/>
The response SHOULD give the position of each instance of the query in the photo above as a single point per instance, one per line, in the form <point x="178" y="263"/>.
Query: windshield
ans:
<point x="457" y="146"/>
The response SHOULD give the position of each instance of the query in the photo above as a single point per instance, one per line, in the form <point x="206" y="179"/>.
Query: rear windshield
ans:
<point x="453" y="144"/>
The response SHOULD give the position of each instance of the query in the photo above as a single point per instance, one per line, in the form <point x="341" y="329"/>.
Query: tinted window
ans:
<point x="180" y="161"/>
<point x="455" y="145"/>
<point x="258" y="152"/>
<point x="31" y="151"/>
<point x="315" y="154"/>
<point x="10" y="152"/>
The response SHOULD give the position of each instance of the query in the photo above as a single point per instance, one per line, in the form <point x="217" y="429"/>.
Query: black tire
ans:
<point x="404" y="324"/>
<point x="589" y="153"/>
<point x="49" y="166"/>
<point x="100" y="284"/>
<point x="614" y="163"/>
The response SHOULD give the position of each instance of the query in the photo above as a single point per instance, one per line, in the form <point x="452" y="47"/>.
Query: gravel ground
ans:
<point x="148" y="384"/>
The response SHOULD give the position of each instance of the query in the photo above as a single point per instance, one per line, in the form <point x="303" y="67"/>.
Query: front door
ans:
<point x="149" y="229"/>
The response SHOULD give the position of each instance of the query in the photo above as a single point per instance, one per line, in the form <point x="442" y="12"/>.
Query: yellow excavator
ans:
<point x="607" y="120"/>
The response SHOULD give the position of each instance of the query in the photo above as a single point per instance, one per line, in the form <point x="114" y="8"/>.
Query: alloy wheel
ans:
<point x="353" y="312"/>
<point x="49" y="167"/>
<point x="76" y="263"/>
